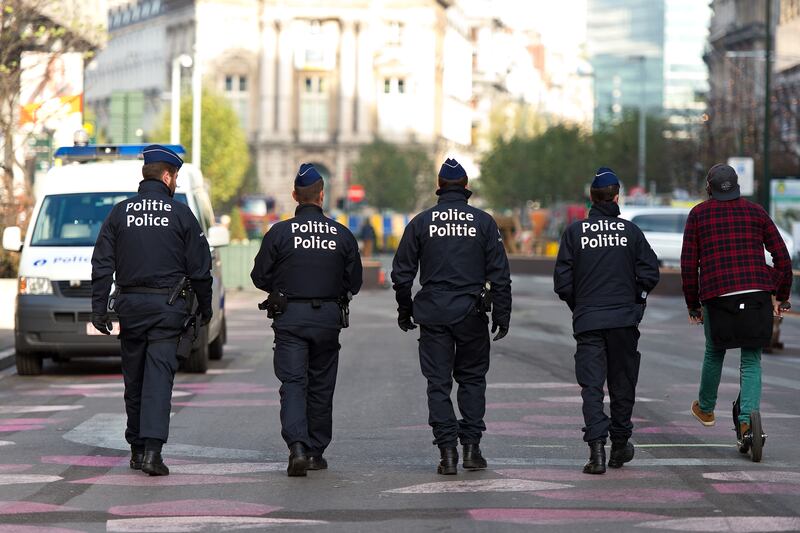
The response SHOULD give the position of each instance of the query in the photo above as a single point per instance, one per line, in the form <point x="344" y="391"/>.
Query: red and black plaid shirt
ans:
<point x="725" y="241"/>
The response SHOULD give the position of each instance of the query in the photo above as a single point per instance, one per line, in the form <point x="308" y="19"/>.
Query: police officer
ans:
<point x="459" y="252"/>
<point x="154" y="244"/>
<point x="310" y="267"/>
<point x="604" y="271"/>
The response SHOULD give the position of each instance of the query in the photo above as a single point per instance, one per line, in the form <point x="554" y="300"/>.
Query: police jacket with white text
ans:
<point x="604" y="270"/>
<point x="151" y="240"/>
<point x="309" y="257"/>
<point x="457" y="249"/>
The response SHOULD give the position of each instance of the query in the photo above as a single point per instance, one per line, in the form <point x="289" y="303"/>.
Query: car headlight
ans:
<point x="35" y="285"/>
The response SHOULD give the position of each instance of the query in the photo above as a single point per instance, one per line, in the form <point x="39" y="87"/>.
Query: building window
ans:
<point x="314" y="105"/>
<point x="394" y="32"/>
<point x="236" y="92"/>
<point x="394" y="85"/>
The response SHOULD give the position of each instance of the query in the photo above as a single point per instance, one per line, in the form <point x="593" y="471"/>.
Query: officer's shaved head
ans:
<point x="604" y="194"/>
<point x="154" y="171"/>
<point x="453" y="183"/>
<point x="309" y="194"/>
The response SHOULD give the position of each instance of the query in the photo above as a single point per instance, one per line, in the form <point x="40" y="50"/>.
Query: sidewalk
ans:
<point x="8" y="291"/>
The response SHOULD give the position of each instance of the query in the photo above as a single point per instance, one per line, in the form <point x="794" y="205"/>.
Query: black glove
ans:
<point x="500" y="334"/>
<point x="102" y="323"/>
<point x="205" y="316"/>
<point x="404" y="319"/>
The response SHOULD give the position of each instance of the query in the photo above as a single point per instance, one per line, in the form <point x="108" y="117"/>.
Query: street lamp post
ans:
<point x="197" y="90"/>
<point x="765" y="182"/>
<point x="185" y="61"/>
<point x="641" y="178"/>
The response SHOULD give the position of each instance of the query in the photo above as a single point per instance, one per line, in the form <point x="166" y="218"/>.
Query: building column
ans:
<point x="268" y="80"/>
<point x="347" y="80"/>
<point x="286" y="89"/>
<point x="365" y="82"/>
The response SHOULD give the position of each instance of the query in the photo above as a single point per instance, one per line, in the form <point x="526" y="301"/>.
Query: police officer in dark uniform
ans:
<point x="459" y="252"/>
<point x="310" y="266"/>
<point x="160" y="256"/>
<point x="604" y="271"/>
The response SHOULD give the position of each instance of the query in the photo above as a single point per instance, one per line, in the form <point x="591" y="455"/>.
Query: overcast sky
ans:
<point x="562" y="23"/>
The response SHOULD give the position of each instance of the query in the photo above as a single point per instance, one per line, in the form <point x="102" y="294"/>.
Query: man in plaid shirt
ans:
<point x="724" y="239"/>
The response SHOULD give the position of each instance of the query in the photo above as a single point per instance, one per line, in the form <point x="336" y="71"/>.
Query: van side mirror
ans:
<point x="218" y="236"/>
<point x="12" y="239"/>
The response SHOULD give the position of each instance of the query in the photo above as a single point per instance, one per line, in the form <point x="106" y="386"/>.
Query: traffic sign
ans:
<point x="744" y="169"/>
<point x="355" y="193"/>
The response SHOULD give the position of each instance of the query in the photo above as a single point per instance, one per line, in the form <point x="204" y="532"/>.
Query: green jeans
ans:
<point x="749" y="376"/>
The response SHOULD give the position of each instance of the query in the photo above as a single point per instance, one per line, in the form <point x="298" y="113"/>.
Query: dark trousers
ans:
<point x="306" y="361"/>
<point x="149" y="363"/>
<point x="608" y="354"/>
<point x="459" y="352"/>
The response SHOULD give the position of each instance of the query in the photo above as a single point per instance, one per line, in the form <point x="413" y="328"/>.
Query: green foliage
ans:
<point x="391" y="174"/>
<point x="558" y="163"/>
<point x="224" y="153"/>
<point x="237" y="229"/>
<point x="549" y="167"/>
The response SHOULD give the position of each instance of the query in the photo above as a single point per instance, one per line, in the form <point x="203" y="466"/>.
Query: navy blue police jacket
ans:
<point x="308" y="257"/>
<point x="604" y="270"/>
<point x="151" y="240"/>
<point x="457" y="249"/>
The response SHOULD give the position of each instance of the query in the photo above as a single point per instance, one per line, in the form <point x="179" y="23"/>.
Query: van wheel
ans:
<point x="28" y="364"/>
<point x="215" y="350"/>
<point x="197" y="363"/>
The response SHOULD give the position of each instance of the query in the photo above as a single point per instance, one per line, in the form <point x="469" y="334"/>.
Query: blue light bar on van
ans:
<point x="93" y="152"/>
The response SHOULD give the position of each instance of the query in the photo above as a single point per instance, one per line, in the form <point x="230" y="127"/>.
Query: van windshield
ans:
<point x="75" y="219"/>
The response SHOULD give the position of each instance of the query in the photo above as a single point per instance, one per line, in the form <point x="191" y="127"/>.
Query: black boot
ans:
<point x="298" y="461"/>
<point x="473" y="460"/>
<point x="153" y="464"/>
<point x="621" y="453"/>
<point x="317" y="462"/>
<point x="448" y="466"/>
<point x="137" y="456"/>
<point x="597" y="458"/>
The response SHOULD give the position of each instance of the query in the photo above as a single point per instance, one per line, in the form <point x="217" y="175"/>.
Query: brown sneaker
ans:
<point x="707" y="419"/>
<point x="744" y="427"/>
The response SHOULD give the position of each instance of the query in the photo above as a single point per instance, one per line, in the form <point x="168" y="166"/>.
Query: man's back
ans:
<point x="457" y="249"/>
<point x="725" y="240"/>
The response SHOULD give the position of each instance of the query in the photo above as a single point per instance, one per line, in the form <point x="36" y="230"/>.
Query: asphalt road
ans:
<point x="63" y="461"/>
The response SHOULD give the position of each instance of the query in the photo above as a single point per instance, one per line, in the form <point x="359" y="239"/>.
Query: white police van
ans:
<point x="53" y="304"/>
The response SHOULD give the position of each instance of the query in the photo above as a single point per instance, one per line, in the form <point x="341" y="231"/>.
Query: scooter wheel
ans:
<point x="757" y="439"/>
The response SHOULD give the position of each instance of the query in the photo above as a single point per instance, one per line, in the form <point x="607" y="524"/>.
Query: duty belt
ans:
<point x="143" y="290"/>
<point x="315" y="302"/>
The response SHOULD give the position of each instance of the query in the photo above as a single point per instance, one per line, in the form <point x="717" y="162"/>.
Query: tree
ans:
<point x="549" y="167"/>
<point x="391" y="175"/>
<point x="224" y="157"/>
<point x="52" y="27"/>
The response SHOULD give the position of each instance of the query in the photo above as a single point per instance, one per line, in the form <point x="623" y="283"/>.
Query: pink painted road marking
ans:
<point x="231" y="387"/>
<point x="624" y="496"/>
<point x="35" y="529"/>
<point x="172" y="524"/>
<point x="11" y="428"/>
<point x="7" y="508"/>
<point x="519" y="405"/>
<point x="228" y="403"/>
<point x="771" y="476"/>
<point x="556" y="516"/>
<point x="194" y="508"/>
<point x="140" y="480"/>
<point x="556" y="474"/>
<point x="102" y="461"/>
<point x="756" y="488"/>
<point x="26" y="421"/>
<point x="728" y="523"/>
<point x="14" y="469"/>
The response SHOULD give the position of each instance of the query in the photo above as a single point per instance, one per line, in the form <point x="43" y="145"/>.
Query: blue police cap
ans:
<point x="306" y="175"/>
<point x="156" y="153"/>
<point x="604" y="177"/>
<point x="452" y="170"/>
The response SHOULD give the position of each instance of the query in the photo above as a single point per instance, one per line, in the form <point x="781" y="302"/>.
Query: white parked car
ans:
<point x="53" y="303"/>
<point x="663" y="229"/>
